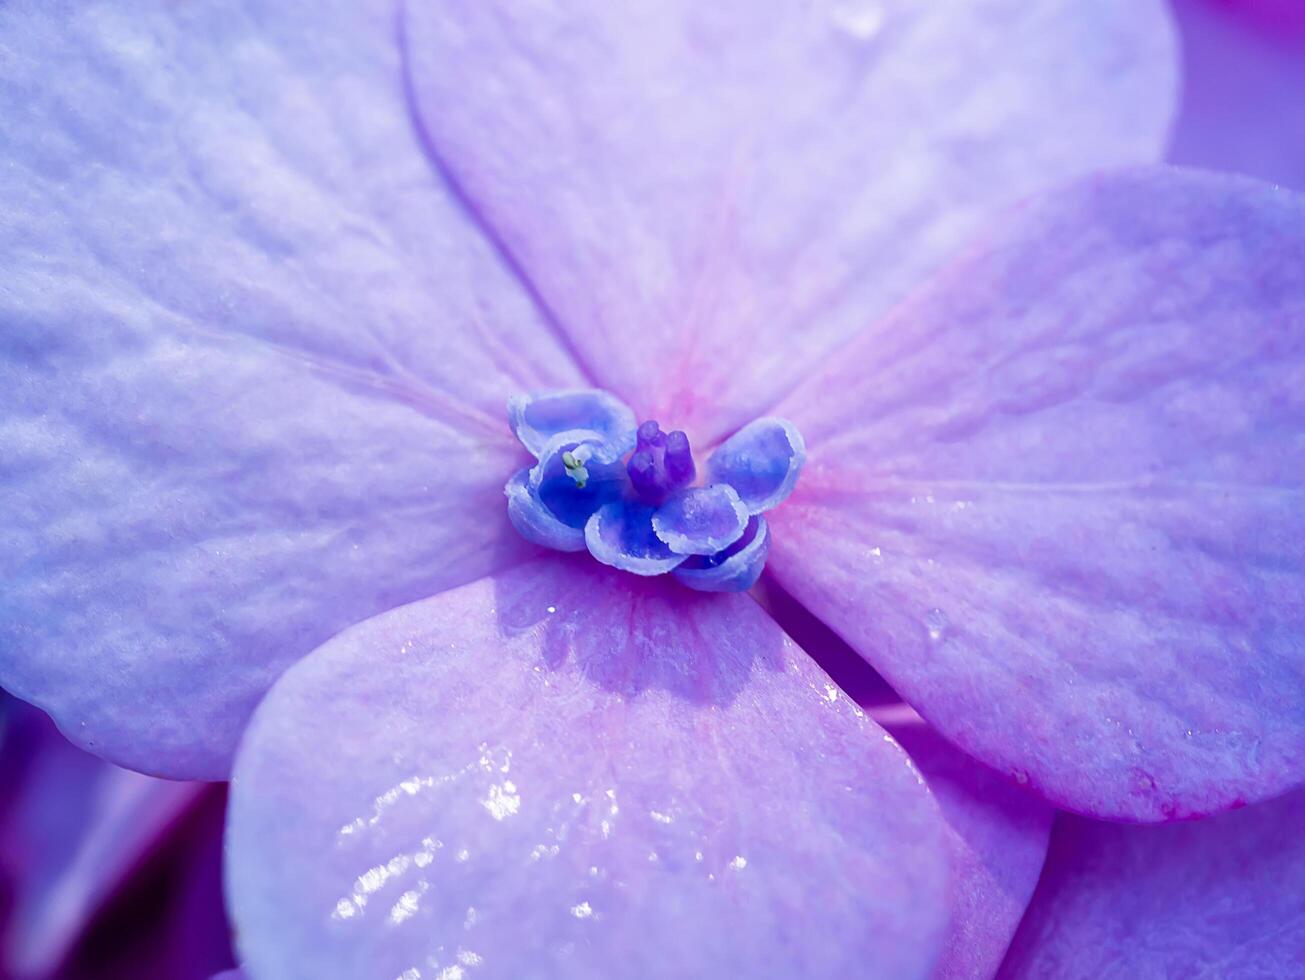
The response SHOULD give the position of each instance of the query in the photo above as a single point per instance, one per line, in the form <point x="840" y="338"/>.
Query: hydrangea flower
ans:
<point x="275" y="272"/>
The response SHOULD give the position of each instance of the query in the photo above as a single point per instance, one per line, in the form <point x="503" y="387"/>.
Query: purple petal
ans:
<point x="253" y="362"/>
<point x="1059" y="503"/>
<point x="997" y="840"/>
<point x="701" y="520"/>
<point x="1243" y="84"/>
<point x="736" y="568"/>
<point x="1222" y="897"/>
<point x="540" y="418"/>
<point x="621" y="535"/>
<point x="712" y="197"/>
<point x="762" y="461"/>
<point x="567" y="771"/>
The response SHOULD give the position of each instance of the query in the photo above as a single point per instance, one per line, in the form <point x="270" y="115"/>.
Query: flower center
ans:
<point x="661" y="464"/>
<point x="628" y="495"/>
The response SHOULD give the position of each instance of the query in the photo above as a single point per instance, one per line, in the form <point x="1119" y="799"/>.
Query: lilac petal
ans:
<point x="762" y="461"/>
<point x="72" y="832"/>
<point x="566" y="771"/>
<point x="1059" y="503"/>
<point x="253" y="362"/>
<point x="621" y="535"/>
<point x="711" y="197"/>
<point x="1243" y="82"/>
<point x="1222" y="897"/>
<point x="996" y="836"/>
<point x="701" y="520"/>
<point x="736" y="568"/>
<point x="538" y="419"/>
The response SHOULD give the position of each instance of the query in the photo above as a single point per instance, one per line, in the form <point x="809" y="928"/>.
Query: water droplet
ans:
<point x="936" y="622"/>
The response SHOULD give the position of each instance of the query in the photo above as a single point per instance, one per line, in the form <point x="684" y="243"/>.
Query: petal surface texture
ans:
<point x="996" y="836"/>
<point x="708" y="197"/>
<point x="1223" y="897"/>
<point x="254" y="361"/>
<point x="568" y="771"/>
<point x="1058" y="499"/>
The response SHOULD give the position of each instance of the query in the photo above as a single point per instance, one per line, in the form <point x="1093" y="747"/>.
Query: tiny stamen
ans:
<point x="575" y="469"/>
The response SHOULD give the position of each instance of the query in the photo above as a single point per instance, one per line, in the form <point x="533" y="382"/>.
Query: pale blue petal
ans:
<point x="621" y="535"/>
<point x="735" y="569"/>
<point x="701" y="520"/>
<point x="540" y="417"/>
<point x="762" y="461"/>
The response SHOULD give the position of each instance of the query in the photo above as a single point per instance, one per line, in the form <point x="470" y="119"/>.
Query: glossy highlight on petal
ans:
<point x="701" y="520"/>
<point x="762" y="461"/>
<point x="566" y="772"/>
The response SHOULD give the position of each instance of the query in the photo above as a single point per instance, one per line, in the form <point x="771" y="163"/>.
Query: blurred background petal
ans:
<point x="1243" y="102"/>
<point x="104" y="873"/>
<point x="1222" y="897"/>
